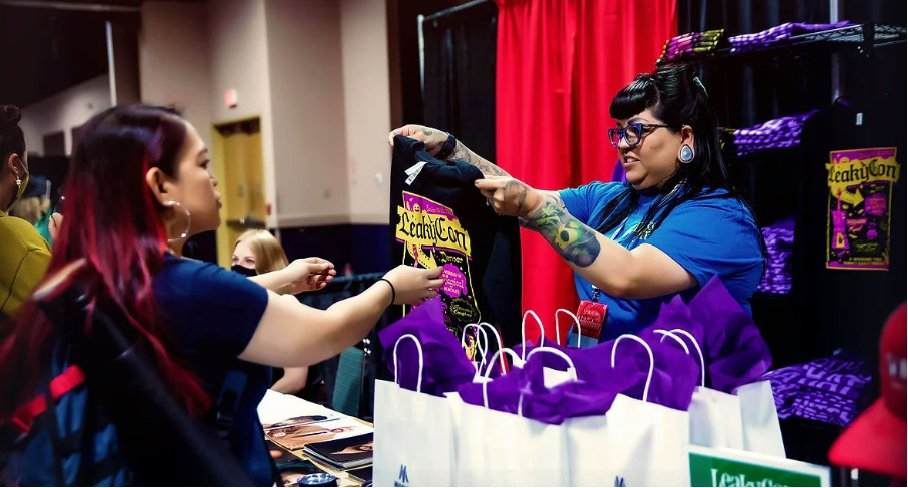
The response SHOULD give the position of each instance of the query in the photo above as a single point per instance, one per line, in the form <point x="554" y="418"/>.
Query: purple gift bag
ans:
<point x="445" y="363"/>
<point x="523" y="390"/>
<point x="736" y="353"/>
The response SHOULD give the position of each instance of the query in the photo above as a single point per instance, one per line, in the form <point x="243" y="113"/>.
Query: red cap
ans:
<point x="876" y="440"/>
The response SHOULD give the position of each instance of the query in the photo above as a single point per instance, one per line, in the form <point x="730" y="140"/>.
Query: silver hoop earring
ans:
<point x="686" y="155"/>
<point x="174" y="203"/>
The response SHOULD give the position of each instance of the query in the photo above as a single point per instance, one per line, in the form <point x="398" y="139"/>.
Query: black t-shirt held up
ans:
<point x="439" y="218"/>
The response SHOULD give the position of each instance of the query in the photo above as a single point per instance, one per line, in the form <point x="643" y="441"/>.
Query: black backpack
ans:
<point x="104" y="416"/>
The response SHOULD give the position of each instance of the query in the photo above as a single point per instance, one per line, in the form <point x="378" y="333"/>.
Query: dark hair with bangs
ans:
<point x="673" y="96"/>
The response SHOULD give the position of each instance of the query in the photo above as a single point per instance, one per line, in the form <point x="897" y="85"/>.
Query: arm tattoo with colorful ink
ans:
<point x="464" y="153"/>
<point x="571" y="238"/>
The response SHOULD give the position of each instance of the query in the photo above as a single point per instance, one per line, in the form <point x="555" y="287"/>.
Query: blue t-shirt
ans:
<point x="705" y="236"/>
<point x="212" y="314"/>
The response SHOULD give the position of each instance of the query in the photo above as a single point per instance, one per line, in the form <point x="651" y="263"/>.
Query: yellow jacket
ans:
<point x="24" y="256"/>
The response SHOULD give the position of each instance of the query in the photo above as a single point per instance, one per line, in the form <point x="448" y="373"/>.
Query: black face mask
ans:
<point x="236" y="268"/>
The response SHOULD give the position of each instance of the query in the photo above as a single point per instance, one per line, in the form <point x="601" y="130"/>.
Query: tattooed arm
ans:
<point x="573" y="240"/>
<point x="645" y="272"/>
<point x="464" y="153"/>
<point x="434" y="139"/>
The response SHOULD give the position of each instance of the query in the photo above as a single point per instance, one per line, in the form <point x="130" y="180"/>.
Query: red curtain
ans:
<point x="560" y="62"/>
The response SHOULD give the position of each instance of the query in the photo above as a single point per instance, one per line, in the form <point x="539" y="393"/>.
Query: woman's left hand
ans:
<point x="509" y="196"/>
<point x="309" y="274"/>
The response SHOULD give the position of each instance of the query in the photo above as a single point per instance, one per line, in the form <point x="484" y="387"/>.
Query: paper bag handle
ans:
<point x="485" y="384"/>
<point x="649" y="376"/>
<point x="483" y="350"/>
<point x="506" y="350"/>
<point x="499" y="341"/>
<point x="572" y="369"/>
<point x="687" y="334"/>
<point x="523" y="332"/>
<point x="699" y="353"/>
<point x="419" y="349"/>
<point x="558" y="326"/>
<point x="664" y="333"/>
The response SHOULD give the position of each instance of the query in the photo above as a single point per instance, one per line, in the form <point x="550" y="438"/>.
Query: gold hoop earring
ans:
<point x="174" y="203"/>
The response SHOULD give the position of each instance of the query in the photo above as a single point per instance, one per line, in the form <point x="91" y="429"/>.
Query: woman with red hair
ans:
<point x="138" y="187"/>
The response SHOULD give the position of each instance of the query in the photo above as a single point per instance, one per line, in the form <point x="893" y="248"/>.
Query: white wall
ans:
<point x="367" y="107"/>
<point x="307" y="94"/>
<point x="239" y="57"/>
<point x="62" y="112"/>
<point x="174" y="62"/>
<point x="314" y="71"/>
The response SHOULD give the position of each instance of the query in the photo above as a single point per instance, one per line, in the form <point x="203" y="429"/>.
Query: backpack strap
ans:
<point x="54" y="429"/>
<point x="22" y="419"/>
<point x="228" y="399"/>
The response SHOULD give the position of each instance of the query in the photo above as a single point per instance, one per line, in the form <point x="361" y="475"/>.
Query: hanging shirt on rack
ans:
<point x="439" y="218"/>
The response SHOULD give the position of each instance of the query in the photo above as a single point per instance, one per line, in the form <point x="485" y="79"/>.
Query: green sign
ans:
<point x="719" y="469"/>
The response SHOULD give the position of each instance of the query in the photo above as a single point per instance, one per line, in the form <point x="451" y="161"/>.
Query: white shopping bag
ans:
<point x="552" y="377"/>
<point x="636" y="443"/>
<point x="760" y="420"/>
<point x="715" y="416"/>
<point x="503" y="449"/>
<point x="414" y="442"/>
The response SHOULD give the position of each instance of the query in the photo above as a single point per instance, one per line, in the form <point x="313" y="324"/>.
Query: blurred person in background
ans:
<point x="257" y="252"/>
<point x="25" y="254"/>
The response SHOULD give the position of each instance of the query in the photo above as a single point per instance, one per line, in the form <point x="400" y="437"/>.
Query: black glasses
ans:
<point x="632" y="133"/>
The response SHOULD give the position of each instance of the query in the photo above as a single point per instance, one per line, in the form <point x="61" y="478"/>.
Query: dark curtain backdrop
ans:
<point x="459" y="74"/>
<point x="827" y="310"/>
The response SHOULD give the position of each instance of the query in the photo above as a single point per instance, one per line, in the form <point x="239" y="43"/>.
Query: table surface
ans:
<point x="293" y="406"/>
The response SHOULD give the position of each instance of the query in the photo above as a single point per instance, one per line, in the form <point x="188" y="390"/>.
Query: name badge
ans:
<point x="592" y="318"/>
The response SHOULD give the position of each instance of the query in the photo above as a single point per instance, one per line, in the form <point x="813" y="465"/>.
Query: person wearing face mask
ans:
<point x="256" y="253"/>
<point x="25" y="254"/>
<point x="673" y="225"/>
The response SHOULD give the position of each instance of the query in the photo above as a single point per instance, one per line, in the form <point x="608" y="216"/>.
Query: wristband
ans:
<point x="393" y="294"/>
<point x="447" y="148"/>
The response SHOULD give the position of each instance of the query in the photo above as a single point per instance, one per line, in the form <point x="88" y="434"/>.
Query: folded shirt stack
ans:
<point x="691" y="43"/>
<point x="776" y="133"/>
<point x="829" y="390"/>
<point x="779" y="33"/>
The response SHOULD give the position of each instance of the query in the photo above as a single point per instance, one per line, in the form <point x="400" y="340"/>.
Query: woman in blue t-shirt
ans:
<point x="671" y="227"/>
<point x="138" y="186"/>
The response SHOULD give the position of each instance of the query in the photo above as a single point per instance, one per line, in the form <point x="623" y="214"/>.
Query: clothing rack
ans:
<point x="453" y="10"/>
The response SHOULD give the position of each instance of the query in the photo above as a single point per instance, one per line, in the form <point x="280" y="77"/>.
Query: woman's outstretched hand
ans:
<point x="414" y="285"/>
<point x="309" y="274"/>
